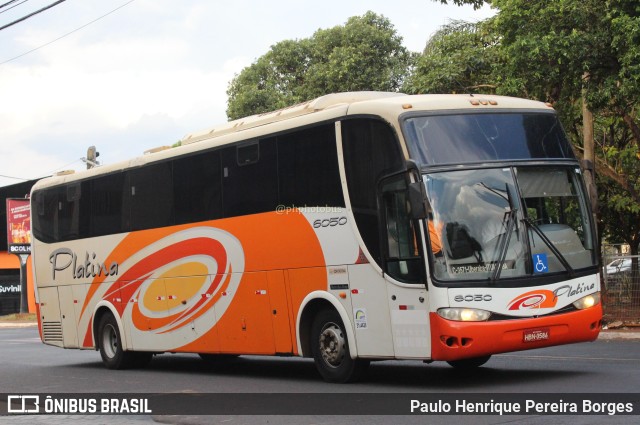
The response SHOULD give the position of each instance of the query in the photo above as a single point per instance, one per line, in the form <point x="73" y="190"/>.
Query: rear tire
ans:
<point x="330" y="349"/>
<point x="110" y="345"/>
<point x="472" y="363"/>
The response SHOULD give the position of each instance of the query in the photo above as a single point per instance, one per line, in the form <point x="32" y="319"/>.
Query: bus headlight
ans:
<point x="464" y="314"/>
<point x="588" y="301"/>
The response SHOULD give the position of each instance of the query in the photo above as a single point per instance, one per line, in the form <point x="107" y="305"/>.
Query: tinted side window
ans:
<point x="197" y="188"/>
<point x="295" y="169"/>
<point x="308" y="168"/>
<point x="250" y="178"/>
<point x="44" y="219"/>
<point x="109" y="204"/>
<point x="370" y="151"/>
<point x="69" y="212"/>
<point x="58" y="214"/>
<point x="152" y="196"/>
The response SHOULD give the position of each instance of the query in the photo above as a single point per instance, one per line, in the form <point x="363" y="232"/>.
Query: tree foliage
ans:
<point x="477" y="4"/>
<point x="557" y="52"/>
<point x="364" y="54"/>
<point x="460" y="58"/>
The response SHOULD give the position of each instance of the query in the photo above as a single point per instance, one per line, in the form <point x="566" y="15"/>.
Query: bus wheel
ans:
<point x="110" y="342"/>
<point x="330" y="349"/>
<point x="469" y="363"/>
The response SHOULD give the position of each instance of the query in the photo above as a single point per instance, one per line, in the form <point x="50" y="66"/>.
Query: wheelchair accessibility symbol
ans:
<point x="540" y="263"/>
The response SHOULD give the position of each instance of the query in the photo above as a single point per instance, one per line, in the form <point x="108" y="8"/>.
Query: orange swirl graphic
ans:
<point x="130" y="282"/>
<point x="540" y="298"/>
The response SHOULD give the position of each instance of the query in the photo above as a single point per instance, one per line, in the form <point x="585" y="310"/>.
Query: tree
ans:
<point x="461" y="57"/>
<point x="552" y="46"/>
<point x="364" y="54"/>
<point x="556" y="45"/>
<point x="573" y="50"/>
<point x="584" y="57"/>
<point x="477" y="4"/>
<point x="271" y="82"/>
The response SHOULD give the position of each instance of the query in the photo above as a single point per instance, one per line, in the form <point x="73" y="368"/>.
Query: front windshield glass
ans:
<point x="492" y="224"/>
<point x="481" y="137"/>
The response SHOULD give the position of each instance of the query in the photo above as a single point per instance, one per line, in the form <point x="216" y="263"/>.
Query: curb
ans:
<point x="618" y="334"/>
<point x="18" y="324"/>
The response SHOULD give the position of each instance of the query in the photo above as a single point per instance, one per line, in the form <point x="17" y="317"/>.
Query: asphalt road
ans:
<point x="603" y="367"/>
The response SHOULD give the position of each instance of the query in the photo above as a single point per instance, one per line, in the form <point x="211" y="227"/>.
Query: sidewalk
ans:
<point x="618" y="334"/>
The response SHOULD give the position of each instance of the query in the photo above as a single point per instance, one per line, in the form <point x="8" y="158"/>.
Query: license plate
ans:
<point x="533" y="335"/>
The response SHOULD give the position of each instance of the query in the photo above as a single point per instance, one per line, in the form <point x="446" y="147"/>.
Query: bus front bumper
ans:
<point x="452" y="340"/>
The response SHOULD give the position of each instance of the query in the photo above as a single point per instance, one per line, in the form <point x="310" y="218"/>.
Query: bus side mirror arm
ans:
<point x="418" y="202"/>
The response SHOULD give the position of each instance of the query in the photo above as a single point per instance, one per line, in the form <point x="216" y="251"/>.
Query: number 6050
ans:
<point x="330" y="222"/>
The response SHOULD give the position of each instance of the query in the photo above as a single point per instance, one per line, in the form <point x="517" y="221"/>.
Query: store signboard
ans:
<point x="18" y="226"/>
<point x="10" y="287"/>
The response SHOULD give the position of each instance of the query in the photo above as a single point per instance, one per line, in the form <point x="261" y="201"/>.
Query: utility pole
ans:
<point x="589" y="153"/>
<point x="589" y="159"/>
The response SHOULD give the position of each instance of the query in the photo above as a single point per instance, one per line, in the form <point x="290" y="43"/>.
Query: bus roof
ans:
<point x="369" y="102"/>
<point x="314" y="105"/>
<point x="384" y="104"/>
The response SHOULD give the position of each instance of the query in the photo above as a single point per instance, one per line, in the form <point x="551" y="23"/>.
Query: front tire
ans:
<point x="330" y="349"/>
<point x="110" y="345"/>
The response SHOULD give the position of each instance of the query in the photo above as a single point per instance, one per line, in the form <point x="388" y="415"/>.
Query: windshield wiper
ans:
<point x="505" y="238"/>
<point x="510" y="219"/>
<point x="551" y="246"/>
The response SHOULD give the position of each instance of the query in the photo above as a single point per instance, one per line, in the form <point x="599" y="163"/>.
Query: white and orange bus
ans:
<point x="354" y="227"/>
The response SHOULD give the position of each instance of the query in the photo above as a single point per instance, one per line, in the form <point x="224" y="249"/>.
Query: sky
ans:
<point x="131" y="75"/>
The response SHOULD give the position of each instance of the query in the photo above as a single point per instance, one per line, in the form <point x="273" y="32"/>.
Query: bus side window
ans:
<point x="152" y="196"/>
<point x="45" y="219"/>
<point x="308" y="172"/>
<point x="371" y="150"/>
<point x="110" y="207"/>
<point x="248" y="153"/>
<point x="250" y="178"/>
<point x="197" y="188"/>
<point x="69" y="220"/>
<point x="400" y="241"/>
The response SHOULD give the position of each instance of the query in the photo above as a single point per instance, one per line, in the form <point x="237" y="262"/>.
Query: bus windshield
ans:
<point x="490" y="224"/>
<point x="482" y="137"/>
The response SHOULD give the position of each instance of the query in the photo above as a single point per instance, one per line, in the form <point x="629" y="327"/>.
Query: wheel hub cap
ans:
<point x="332" y="345"/>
